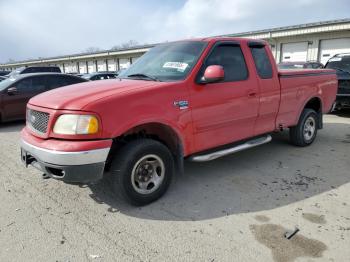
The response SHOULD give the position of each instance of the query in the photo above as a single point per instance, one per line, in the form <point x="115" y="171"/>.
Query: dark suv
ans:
<point x="100" y="76"/>
<point x="35" y="69"/>
<point x="341" y="63"/>
<point x="16" y="91"/>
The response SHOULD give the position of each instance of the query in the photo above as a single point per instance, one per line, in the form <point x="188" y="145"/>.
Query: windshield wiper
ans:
<point x="342" y="70"/>
<point x="142" y="75"/>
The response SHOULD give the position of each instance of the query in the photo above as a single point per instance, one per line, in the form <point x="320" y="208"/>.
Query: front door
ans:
<point x="16" y="99"/>
<point x="225" y="112"/>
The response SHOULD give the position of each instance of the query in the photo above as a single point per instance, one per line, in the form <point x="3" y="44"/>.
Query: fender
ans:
<point x="171" y="124"/>
<point x="307" y="100"/>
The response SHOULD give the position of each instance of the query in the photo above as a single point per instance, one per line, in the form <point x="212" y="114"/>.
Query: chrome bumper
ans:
<point x="66" y="158"/>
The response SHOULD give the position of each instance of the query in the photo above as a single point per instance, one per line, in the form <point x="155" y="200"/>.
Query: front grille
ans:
<point x="38" y="121"/>
<point x="344" y="87"/>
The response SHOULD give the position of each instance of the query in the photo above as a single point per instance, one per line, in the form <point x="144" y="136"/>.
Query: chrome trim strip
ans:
<point x="214" y="155"/>
<point x="66" y="158"/>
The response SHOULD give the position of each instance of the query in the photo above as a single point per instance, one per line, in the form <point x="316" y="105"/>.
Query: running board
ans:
<point x="224" y="152"/>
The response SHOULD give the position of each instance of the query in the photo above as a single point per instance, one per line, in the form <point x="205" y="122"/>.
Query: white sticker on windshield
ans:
<point x="180" y="66"/>
<point x="335" y="59"/>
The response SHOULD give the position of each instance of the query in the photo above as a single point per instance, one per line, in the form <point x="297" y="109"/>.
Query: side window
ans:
<point x="231" y="58"/>
<point x="24" y="86"/>
<point x="262" y="61"/>
<point x="55" y="81"/>
<point x="73" y="80"/>
<point x="38" y="84"/>
<point x="94" y="78"/>
<point x="31" y="85"/>
<point x="59" y="81"/>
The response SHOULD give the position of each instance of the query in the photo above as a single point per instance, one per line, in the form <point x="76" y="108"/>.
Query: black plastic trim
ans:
<point x="306" y="74"/>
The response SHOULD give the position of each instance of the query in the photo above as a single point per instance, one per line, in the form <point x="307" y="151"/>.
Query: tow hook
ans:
<point x="45" y="176"/>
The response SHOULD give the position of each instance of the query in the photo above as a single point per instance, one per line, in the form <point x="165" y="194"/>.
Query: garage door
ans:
<point x="112" y="65"/>
<point x="292" y="52"/>
<point x="124" y="63"/>
<point x="331" y="47"/>
<point x="91" y="66"/>
<point x="101" y="65"/>
<point x="82" y="67"/>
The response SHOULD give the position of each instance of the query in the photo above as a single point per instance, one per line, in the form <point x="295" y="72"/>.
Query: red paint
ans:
<point x="218" y="113"/>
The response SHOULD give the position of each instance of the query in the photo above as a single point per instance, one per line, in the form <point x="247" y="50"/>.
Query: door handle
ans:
<point x="12" y="91"/>
<point x="252" y="94"/>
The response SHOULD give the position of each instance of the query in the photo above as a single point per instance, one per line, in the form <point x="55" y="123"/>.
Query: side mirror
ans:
<point x="12" y="91"/>
<point x="212" y="74"/>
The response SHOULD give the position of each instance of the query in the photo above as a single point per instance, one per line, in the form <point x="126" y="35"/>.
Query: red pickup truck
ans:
<point x="197" y="99"/>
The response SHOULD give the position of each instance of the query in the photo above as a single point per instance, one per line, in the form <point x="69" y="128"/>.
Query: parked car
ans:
<point x="16" y="91"/>
<point x="100" y="76"/>
<point x="300" y="65"/>
<point x="2" y="78"/>
<point x="35" y="69"/>
<point x="197" y="99"/>
<point x="3" y="73"/>
<point x="341" y="63"/>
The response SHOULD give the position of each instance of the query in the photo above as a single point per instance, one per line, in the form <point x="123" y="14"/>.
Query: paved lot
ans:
<point x="233" y="209"/>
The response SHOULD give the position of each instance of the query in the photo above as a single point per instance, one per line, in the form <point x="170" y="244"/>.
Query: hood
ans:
<point x="76" y="97"/>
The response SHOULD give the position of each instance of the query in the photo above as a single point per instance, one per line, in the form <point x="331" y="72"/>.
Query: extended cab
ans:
<point x="199" y="99"/>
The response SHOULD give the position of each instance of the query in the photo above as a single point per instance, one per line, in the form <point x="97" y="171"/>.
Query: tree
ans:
<point x="128" y="44"/>
<point x="92" y="49"/>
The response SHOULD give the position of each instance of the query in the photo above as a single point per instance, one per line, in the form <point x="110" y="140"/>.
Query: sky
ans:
<point x="44" y="28"/>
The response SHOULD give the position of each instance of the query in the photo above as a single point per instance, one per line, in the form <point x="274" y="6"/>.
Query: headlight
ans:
<point x="76" y="125"/>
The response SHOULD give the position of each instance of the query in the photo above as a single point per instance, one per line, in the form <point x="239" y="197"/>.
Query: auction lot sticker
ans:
<point x="180" y="66"/>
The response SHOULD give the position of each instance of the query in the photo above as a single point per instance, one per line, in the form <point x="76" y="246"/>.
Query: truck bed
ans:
<point x="297" y="86"/>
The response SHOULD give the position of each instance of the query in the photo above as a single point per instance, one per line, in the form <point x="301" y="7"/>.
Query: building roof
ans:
<point x="265" y="33"/>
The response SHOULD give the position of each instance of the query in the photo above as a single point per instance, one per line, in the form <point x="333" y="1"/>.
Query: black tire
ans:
<point x="126" y="160"/>
<point x="297" y="134"/>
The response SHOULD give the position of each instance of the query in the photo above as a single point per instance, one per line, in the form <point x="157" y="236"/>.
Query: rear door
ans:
<point x="15" y="103"/>
<point x="226" y="111"/>
<point x="269" y="88"/>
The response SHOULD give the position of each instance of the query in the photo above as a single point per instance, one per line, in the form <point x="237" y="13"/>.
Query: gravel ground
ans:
<point x="236" y="208"/>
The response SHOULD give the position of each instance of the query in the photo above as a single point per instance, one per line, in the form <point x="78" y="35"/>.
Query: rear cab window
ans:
<point x="261" y="60"/>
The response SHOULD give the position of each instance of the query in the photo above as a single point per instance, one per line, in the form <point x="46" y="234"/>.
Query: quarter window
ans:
<point x="262" y="62"/>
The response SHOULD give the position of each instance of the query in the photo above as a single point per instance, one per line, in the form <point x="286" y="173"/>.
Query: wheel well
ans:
<point x="315" y="104"/>
<point x="156" y="131"/>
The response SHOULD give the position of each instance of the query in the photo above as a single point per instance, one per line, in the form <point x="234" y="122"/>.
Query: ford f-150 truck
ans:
<point x="196" y="99"/>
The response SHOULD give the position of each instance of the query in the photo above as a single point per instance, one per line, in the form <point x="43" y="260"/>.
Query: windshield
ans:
<point x="166" y="62"/>
<point x="16" y="72"/>
<point x="339" y="63"/>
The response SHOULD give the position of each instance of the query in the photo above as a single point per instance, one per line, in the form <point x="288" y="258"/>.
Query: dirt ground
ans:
<point x="236" y="208"/>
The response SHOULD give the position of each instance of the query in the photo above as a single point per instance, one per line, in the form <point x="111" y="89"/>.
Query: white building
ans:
<point x="306" y="42"/>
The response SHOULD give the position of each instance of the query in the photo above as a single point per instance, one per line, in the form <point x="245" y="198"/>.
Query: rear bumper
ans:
<point x="85" y="166"/>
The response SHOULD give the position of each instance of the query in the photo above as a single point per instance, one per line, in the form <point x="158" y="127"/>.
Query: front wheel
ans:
<point x="305" y="132"/>
<point x="142" y="171"/>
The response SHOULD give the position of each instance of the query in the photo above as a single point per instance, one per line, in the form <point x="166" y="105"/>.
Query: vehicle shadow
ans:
<point x="262" y="178"/>
<point x="10" y="127"/>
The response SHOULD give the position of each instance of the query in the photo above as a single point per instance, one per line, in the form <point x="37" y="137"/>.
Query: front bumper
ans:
<point x="85" y="166"/>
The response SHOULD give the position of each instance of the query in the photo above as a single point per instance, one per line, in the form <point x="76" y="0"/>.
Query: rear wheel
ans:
<point x="142" y="171"/>
<point x="305" y="132"/>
